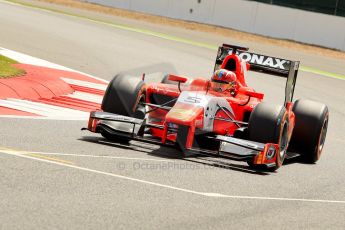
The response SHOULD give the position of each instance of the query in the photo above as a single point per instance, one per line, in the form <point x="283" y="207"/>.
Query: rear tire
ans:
<point x="269" y="124"/>
<point x="123" y="96"/>
<point x="309" y="134"/>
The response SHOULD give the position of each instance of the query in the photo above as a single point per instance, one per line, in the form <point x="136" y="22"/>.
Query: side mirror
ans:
<point x="254" y="94"/>
<point x="178" y="79"/>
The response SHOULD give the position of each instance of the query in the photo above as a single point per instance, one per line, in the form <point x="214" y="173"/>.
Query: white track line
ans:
<point x="42" y="109"/>
<point x="100" y="156"/>
<point x="46" y="111"/>
<point x="206" y="194"/>
<point x="86" y="97"/>
<point x="53" y="118"/>
<point x="50" y="112"/>
<point x="57" y="110"/>
<point x="85" y="83"/>
<point x="26" y="59"/>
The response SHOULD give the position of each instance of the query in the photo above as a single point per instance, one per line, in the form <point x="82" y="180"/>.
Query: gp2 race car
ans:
<point x="221" y="117"/>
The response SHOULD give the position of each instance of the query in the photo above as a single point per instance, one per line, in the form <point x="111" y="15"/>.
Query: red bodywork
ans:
<point x="178" y="113"/>
<point x="242" y="102"/>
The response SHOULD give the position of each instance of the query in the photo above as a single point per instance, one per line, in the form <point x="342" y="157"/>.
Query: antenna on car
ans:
<point x="208" y="86"/>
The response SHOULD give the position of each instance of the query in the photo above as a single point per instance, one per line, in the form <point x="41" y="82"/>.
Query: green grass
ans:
<point x="7" y="70"/>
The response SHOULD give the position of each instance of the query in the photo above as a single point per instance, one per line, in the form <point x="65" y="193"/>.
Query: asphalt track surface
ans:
<point x="78" y="181"/>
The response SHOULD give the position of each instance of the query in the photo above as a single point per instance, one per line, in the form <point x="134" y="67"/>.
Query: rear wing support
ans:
<point x="261" y="63"/>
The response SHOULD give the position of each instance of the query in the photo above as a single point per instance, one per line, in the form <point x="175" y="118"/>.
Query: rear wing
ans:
<point x="265" y="64"/>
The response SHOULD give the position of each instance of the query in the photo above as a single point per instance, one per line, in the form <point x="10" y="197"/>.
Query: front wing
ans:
<point x="229" y="147"/>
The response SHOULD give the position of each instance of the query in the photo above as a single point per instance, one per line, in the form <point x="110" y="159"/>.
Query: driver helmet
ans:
<point x="224" y="80"/>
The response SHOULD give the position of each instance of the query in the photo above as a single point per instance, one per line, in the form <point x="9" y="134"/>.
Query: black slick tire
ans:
<point x="309" y="134"/>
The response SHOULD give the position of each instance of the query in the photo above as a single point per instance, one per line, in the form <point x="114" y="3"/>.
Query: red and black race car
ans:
<point x="221" y="117"/>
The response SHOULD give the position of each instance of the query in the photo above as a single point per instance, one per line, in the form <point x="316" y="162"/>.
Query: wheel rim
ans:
<point x="322" y="137"/>
<point x="283" y="142"/>
<point x="141" y="108"/>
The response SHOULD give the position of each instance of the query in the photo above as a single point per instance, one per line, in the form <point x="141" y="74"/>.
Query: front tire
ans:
<point x="309" y="134"/>
<point x="123" y="96"/>
<point x="269" y="124"/>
